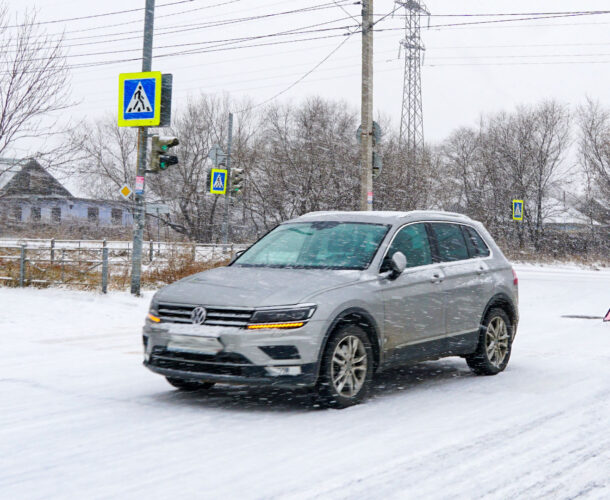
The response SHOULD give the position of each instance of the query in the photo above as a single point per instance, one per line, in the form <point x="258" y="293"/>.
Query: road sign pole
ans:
<point x="225" y="224"/>
<point x="138" y="220"/>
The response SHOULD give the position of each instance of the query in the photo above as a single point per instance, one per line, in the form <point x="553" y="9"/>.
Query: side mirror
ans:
<point x="236" y="256"/>
<point x="398" y="263"/>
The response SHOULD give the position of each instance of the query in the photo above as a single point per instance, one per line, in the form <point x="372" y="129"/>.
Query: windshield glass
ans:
<point x="330" y="245"/>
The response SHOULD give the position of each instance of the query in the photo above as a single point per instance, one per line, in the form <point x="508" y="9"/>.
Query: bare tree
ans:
<point x="307" y="161"/>
<point x="525" y="152"/>
<point x="104" y="157"/>
<point x="594" y="145"/>
<point x="202" y="123"/>
<point x="33" y="80"/>
<point x="407" y="181"/>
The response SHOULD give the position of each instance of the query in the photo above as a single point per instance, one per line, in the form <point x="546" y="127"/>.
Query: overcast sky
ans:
<point x="468" y="70"/>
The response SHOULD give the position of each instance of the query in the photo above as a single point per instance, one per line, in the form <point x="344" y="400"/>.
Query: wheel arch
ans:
<point x="505" y="303"/>
<point x="362" y="318"/>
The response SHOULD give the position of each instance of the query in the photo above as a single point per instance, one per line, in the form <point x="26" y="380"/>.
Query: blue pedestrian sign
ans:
<point x="140" y="99"/>
<point x="218" y="181"/>
<point x="517" y="209"/>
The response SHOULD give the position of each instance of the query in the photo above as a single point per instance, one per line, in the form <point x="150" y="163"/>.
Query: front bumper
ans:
<point x="250" y="357"/>
<point x="254" y="375"/>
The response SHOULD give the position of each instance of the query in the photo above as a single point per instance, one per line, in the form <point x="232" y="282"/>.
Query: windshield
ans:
<point x="329" y="245"/>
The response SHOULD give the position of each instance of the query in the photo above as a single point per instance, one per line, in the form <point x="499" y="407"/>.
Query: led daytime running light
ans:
<point x="154" y="318"/>
<point x="275" y="325"/>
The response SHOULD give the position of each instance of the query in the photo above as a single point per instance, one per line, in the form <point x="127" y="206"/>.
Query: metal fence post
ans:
<point x="150" y="250"/>
<point x="62" y="258"/>
<point x="104" y="267"/>
<point x="52" y="251"/>
<point x="22" y="267"/>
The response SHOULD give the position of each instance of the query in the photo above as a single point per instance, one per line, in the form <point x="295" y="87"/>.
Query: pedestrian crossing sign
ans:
<point x="140" y="99"/>
<point x="517" y="209"/>
<point x="218" y="181"/>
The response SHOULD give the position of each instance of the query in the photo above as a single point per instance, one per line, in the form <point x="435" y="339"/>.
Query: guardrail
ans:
<point x="88" y="263"/>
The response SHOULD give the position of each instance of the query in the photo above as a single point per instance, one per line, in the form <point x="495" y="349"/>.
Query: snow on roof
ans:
<point x="379" y="216"/>
<point x="563" y="214"/>
<point x="7" y="172"/>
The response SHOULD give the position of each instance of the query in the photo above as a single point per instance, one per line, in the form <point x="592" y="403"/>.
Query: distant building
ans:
<point x="31" y="195"/>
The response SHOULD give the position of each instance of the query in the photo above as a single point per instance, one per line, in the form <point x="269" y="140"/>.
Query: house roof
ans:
<point x="30" y="179"/>
<point x="564" y="214"/>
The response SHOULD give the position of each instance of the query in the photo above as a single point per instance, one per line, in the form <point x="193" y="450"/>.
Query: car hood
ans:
<point x="254" y="287"/>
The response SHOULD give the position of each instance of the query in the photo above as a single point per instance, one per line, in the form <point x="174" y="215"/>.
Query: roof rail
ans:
<point x="440" y="212"/>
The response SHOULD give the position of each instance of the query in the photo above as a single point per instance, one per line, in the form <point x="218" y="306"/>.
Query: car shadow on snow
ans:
<point x="239" y="397"/>
<point x="425" y="376"/>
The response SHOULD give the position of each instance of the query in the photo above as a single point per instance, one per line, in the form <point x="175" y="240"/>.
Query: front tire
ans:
<point x="495" y="344"/>
<point x="189" y="385"/>
<point x="347" y="368"/>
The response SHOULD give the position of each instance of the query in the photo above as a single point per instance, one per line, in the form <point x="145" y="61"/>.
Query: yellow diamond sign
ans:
<point x="125" y="191"/>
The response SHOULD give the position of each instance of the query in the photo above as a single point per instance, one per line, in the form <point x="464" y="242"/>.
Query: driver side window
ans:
<point x="413" y="242"/>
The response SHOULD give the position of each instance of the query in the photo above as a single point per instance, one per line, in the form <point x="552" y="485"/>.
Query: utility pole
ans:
<point x="225" y="224"/>
<point x="366" y="150"/>
<point x="138" y="220"/>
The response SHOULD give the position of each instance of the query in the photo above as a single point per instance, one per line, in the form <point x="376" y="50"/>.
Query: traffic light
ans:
<point x="377" y="164"/>
<point x="159" y="160"/>
<point x="237" y="179"/>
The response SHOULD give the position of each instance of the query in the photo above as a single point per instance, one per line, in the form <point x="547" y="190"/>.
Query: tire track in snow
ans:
<point x="459" y="466"/>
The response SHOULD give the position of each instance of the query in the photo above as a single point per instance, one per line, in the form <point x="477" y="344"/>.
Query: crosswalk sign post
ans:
<point x="140" y="99"/>
<point x="517" y="209"/>
<point x="218" y="181"/>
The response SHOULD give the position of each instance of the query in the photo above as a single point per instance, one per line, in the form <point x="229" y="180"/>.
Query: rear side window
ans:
<point x="412" y="241"/>
<point x="476" y="245"/>
<point x="450" y="242"/>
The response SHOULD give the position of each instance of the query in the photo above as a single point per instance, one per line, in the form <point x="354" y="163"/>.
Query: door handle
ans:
<point x="436" y="278"/>
<point x="481" y="270"/>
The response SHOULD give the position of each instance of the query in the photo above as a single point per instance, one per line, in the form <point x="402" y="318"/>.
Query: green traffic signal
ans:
<point x="166" y="161"/>
<point x="160" y="145"/>
<point x="237" y="179"/>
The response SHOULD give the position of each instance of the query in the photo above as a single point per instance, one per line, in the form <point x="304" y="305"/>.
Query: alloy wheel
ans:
<point x="349" y="366"/>
<point x="496" y="341"/>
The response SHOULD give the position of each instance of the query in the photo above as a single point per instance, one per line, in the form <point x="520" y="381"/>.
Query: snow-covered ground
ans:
<point x="81" y="418"/>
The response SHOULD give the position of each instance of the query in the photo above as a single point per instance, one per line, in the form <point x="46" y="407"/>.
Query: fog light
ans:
<point x="276" y="371"/>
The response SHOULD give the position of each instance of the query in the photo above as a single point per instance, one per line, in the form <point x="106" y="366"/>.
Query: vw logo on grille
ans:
<point x="198" y="315"/>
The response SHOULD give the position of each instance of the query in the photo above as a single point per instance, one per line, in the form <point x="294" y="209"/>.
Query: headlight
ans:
<point x="153" y="312"/>
<point x="282" y="317"/>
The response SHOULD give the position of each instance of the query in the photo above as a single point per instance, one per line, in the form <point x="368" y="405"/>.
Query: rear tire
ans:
<point x="495" y="344"/>
<point x="347" y="368"/>
<point x="189" y="385"/>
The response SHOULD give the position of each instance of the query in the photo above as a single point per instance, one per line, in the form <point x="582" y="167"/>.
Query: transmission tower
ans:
<point x="412" y="119"/>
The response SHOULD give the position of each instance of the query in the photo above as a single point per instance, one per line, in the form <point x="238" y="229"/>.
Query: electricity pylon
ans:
<point x="412" y="119"/>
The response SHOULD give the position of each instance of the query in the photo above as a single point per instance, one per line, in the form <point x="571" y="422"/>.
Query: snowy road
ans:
<point x="81" y="418"/>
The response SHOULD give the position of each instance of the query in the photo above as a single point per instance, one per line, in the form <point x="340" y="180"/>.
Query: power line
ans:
<point x="386" y="70"/>
<point x="215" y="24"/>
<point x="221" y="47"/>
<point x="507" y="14"/>
<point x="114" y="13"/>
<point x="326" y="58"/>
<point x="191" y="26"/>
<point x="157" y="28"/>
<point x="222" y="42"/>
<point x="496" y="21"/>
<point x="237" y="46"/>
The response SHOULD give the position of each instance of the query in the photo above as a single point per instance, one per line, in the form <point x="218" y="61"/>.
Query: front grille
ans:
<point x="181" y="313"/>
<point x="217" y="364"/>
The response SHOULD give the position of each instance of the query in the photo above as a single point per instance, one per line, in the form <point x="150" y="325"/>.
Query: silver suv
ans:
<point x="329" y="298"/>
